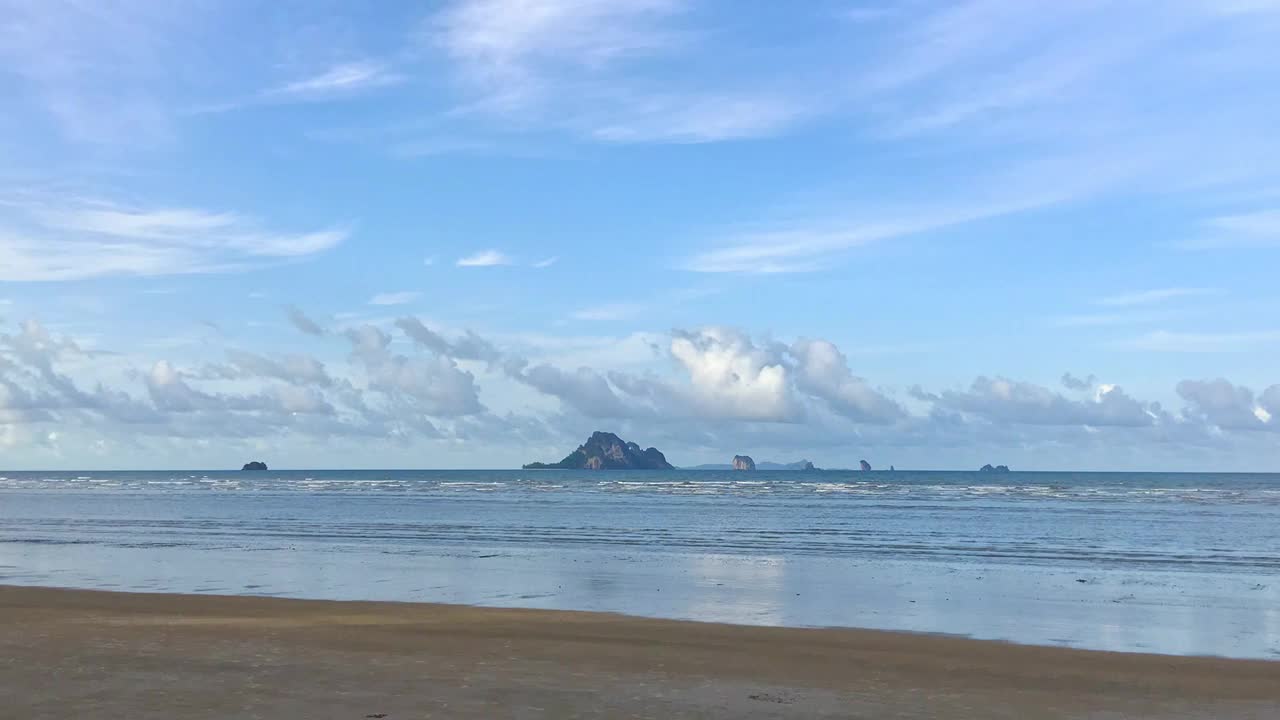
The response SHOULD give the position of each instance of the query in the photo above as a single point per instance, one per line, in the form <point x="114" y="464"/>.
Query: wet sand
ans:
<point x="73" y="653"/>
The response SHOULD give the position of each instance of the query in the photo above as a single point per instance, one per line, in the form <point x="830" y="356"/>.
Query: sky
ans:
<point x="468" y="233"/>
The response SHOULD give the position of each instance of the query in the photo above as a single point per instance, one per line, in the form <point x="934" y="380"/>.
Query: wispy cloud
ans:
<point x="579" y="66"/>
<point x="340" y="79"/>
<point x="345" y="80"/>
<point x="615" y="311"/>
<point x="394" y="298"/>
<point x="1153" y="297"/>
<point x="546" y="262"/>
<point x="1245" y="230"/>
<point x="96" y="72"/>
<point x="303" y="322"/>
<point x="807" y="244"/>
<point x="660" y="301"/>
<point x="59" y="238"/>
<point x="1108" y="319"/>
<point x="696" y="118"/>
<point x="1165" y="341"/>
<point x="484" y="258"/>
<point x="512" y="49"/>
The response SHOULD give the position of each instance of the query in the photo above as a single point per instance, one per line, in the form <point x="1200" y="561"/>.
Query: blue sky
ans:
<point x="467" y="233"/>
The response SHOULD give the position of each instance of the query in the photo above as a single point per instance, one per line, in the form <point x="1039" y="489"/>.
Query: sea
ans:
<point x="1182" y="564"/>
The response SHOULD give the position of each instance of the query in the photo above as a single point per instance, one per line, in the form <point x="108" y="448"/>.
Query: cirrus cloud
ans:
<point x="64" y="238"/>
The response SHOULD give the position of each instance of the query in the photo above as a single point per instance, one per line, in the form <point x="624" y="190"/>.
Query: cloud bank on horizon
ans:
<point x="468" y="234"/>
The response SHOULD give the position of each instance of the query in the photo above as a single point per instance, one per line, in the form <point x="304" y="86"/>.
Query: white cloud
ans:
<point x="484" y="258"/>
<point x="1152" y="297"/>
<point x="96" y="73"/>
<point x="343" y="79"/>
<point x="808" y="244"/>
<point x="70" y="238"/>
<point x="695" y="118"/>
<point x="731" y="377"/>
<point x="572" y="65"/>
<point x="1259" y="229"/>
<point x="1108" y="319"/>
<point x="614" y="311"/>
<point x="1166" y="341"/>
<point x="822" y="370"/>
<point x="1227" y="405"/>
<point x="394" y="298"/>
<point x="1002" y="400"/>
<point x="293" y="369"/>
<point x="546" y="262"/>
<point x="433" y="385"/>
<point x="729" y="393"/>
<point x="511" y="49"/>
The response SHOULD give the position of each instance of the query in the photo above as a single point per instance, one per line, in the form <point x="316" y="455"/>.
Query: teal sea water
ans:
<point x="1167" y="563"/>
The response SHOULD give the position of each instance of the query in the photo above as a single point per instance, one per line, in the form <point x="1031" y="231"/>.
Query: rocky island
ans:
<point x="752" y="465"/>
<point x="866" y="466"/>
<point x="255" y="465"/>
<point x="606" y="451"/>
<point x="997" y="469"/>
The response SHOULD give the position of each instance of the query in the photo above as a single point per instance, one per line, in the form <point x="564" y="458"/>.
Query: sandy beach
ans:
<point x="73" y="653"/>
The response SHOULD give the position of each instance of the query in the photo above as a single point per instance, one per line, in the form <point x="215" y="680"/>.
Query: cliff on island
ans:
<point x="997" y="469"/>
<point x="743" y="462"/>
<point x="606" y="451"/>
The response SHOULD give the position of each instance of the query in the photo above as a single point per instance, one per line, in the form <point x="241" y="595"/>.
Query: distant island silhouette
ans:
<point x="606" y="451"/>
<point x="255" y="465"/>
<point x="752" y="465"/>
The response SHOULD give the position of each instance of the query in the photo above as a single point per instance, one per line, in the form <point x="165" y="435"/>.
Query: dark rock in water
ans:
<point x="743" y="462"/>
<point x="892" y="468"/>
<point x="606" y="451"/>
<point x="255" y="465"/>
<point x="866" y="466"/>
<point x="996" y="469"/>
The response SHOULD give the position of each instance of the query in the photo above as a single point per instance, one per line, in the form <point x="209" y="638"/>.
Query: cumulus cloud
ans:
<point x="434" y="384"/>
<point x="1007" y="401"/>
<point x="582" y="389"/>
<point x="823" y="371"/>
<point x="718" y="387"/>
<point x="730" y="376"/>
<point x="293" y="369"/>
<point x="468" y="347"/>
<point x="1071" y="382"/>
<point x="1231" y="406"/>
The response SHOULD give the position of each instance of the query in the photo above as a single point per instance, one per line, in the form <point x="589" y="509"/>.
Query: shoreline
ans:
<point x="159" y="655"/>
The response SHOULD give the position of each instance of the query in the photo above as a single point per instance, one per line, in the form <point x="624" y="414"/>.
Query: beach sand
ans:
<point x="84" y="654"/>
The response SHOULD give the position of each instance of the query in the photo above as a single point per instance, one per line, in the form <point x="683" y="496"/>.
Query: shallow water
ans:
<point x="1169" y="563"/>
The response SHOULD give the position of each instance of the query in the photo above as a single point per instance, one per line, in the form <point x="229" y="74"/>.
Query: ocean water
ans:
<point x="1166" y="563"/>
